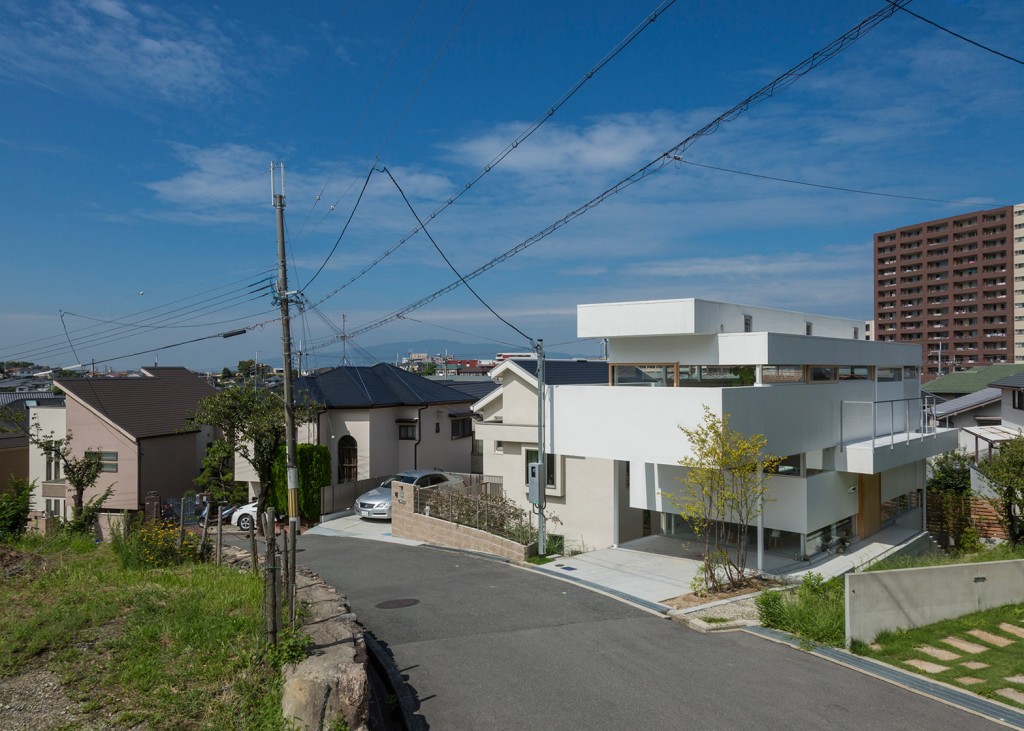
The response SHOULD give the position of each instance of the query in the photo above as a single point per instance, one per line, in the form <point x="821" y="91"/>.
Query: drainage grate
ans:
<point x="397" y="603"/>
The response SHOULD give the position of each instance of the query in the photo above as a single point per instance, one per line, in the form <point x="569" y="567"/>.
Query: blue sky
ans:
<point x="136" y="139"/>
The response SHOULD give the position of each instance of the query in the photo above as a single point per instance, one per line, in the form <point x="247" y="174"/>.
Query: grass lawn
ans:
<point x="175" y="647"/>
<point x="900" y="647"/>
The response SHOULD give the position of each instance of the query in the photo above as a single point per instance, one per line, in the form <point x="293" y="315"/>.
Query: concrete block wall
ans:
<point x="906" y="598"/>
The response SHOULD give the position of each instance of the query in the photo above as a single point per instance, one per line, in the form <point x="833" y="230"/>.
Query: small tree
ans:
<point x="15" y="504"/>
<point x="218" y="474"/>
<point x="950" y="485"/>
<point x="1004" y="469"/>
<point x="80" y="473"/>
<point x="724" y="491"/>
<point x="252" y="422"/>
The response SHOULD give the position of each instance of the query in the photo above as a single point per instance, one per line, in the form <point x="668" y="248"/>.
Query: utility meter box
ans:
<point x="536" y="493"/>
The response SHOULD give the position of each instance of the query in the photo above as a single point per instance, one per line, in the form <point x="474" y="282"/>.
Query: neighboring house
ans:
<point x="379" y="420"/>
<point x="976" y="411"/>
<point x="845" y="413"/>
<point x="138" y="427"/>
<point x="588" y="495"/>
<point x="15" y="419"/>
<point x="961" y="383"/>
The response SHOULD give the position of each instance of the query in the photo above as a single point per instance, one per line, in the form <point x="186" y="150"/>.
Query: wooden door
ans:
<point x="869" y="504"/>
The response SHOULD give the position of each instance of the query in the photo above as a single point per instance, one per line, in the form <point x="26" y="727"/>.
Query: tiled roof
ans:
<point x="565" y="372"/>
<point x="965" y="403"/>
<point x="973" y="379"/>
<point x="155" y="405"/>
<point x="1014" y="381"/>
<point x="9" y="397"/>
<point x="348" y="387"/>
<point x="475" y="389"/>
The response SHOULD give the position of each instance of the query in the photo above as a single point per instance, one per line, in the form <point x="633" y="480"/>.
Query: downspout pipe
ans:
<point x="419" y="437"/>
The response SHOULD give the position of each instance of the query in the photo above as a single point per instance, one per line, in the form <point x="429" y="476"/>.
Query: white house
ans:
<point x="845" y="413"/>
<point x="587" y="494"/>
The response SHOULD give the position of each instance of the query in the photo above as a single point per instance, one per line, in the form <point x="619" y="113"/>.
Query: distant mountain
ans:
<point x="387" y="352"/>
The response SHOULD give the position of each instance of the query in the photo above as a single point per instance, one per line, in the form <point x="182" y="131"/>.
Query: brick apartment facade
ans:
<point x="956" y="286"/>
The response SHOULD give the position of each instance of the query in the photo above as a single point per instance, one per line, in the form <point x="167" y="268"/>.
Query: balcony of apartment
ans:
<point x="880" y="435"/>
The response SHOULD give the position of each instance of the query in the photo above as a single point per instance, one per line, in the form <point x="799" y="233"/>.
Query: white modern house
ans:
<point x="587" y="494"/>
<point x="844" y="412"/>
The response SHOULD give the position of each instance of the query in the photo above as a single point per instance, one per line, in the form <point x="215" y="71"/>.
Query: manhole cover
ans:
<point x="397" y="603"/>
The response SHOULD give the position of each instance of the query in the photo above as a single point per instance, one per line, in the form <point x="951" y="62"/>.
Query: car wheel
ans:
<point x="245" y="522"/>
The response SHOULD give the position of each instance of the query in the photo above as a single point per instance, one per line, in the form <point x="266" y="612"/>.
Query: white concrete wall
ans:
<point x="905" y="598"/>
<point x="1012" y="418"/>
<point x="669" y="317"/>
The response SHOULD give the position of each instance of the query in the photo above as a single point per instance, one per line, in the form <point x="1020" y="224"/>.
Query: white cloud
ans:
<point x="108" y="48"/>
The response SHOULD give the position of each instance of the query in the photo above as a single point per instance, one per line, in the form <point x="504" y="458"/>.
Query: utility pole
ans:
<point x="286" y="353"/>
<point x="542" y="460"/>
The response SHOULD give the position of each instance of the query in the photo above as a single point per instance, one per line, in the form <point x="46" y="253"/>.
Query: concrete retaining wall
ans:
<point x="407" y="523"/>
<point x="905" y="598"/>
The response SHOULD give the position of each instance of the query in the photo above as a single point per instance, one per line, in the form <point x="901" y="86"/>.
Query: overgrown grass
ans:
<point x="1001" y="552"/>
<point x="897" y="647"/>
<point x="815" y="612"/>
<point x="161" y="648"/>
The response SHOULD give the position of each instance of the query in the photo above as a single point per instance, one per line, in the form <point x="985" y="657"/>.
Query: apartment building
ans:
<point x="955" y="287"/>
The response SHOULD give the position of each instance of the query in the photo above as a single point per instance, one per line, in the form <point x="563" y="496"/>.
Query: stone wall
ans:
<point x="407" y="523"/>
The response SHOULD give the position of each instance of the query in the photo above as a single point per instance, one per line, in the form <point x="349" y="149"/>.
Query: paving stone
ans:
<point x="937" y="653"/>
<point x="1012" y="629"/>
<point x="989" y="637"/>
<point x="1014" y="695"/>
<point x="1016" y="679"/>
<point x="969" y="680"/>
<point x="964" y="645"/>
<point x="928" y="667"/>
<point x="975" y="665"/>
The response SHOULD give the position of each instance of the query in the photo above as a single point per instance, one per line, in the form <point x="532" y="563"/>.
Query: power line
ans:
<point x="448" y="262"/>
<point x="343" y="229"/>
<point x="956" y="35"/>
<point x="359" y="122"/>
<point x="523" y="136"/>
<point x="228" y="334"/>
<point x="777" y="85"/>
<point x="461" y="332"/>
<point x="818" y="185"/>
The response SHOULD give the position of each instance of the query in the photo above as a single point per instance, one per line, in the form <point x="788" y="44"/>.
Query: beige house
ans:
<point x="137" y="425"/>
<point x="589" y="495"/>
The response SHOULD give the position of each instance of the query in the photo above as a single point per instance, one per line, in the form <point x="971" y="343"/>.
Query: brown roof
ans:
<point x="155" y="404"/>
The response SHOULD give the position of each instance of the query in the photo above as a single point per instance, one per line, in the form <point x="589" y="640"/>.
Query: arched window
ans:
<point x="348" y="459"/>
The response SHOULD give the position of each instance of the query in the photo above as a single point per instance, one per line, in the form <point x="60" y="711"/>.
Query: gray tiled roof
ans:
<point x="965" y="403"/>
<point x="155" y="405"/>
<point x="371" y="386"/>
<point x="1014" y="381"/>
<point x="564" y="372"/>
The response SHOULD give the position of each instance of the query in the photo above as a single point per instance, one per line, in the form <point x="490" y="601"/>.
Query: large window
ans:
<point x="531" y="456"/>
<point x="640" y="374"/>
<point x="885" y="374"/>
<point x="822" y="374"/>
<point x="52" y="466"/>
<point x="109" y="460"/>
<point x="348" y="459"/>
<point x="854" y="373"/>
<point x="782" y="374"/>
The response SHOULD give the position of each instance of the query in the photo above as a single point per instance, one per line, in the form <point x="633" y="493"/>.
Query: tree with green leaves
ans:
<point x="724" y="491"/>
<point x="252" y="422"/>
<point x="1004" y="470"/>
<point x="217" y="476"/>
<point x="15" y="504"/>
<point x="80" y="474"/>
<point x="950" y="488"/>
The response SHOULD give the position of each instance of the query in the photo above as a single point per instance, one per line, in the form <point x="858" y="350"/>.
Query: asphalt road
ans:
<point x="491" y="646"/>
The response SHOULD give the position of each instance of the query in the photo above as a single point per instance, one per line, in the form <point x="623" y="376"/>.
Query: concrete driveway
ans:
<point x="352" y="526"/>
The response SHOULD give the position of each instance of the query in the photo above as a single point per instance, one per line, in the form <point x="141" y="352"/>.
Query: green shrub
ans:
<point x="313" y="464"/>
<point x="151" y="545"/>
<point x="15" y="504"/>
<point x="815" y="612"/>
